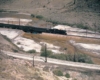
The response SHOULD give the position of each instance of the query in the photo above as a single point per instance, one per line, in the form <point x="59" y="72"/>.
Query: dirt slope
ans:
<point x="17" y="69"/>
<point x="84" y="12"/>
<point x="6" y="44"/>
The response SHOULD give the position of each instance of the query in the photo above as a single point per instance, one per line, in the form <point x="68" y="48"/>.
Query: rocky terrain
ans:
<point x="6" y="44"/>
<point x="80" y="12"/>
<point x="74" y="13"/>
<point x="17" y="69"/>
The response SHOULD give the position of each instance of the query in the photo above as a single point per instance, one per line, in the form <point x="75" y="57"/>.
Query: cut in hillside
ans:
<point x="6" y="44"/>
<point x="84" y="12"/>
<point x="17" y="69"/>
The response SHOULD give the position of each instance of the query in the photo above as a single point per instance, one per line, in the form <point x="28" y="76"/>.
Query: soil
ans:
<point x="84" y="12"/>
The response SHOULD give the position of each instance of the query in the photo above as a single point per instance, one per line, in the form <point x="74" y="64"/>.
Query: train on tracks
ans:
<point x="32" y="29"/>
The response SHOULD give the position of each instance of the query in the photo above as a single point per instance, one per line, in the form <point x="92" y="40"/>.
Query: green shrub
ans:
<point x="77" y="57"/>
<point x="39" y="16"/>
<point x="31" y="51"/>
<point x="32" y="15"/>
<point x="70" y="57"/>
<point x="83" y="58"/>
<point x="14" y="50"/>
<point x="58" y="72"/>
<point x="67" y="75"/>
<point x="48" y="53"/>
<point x="58" y="56"/>
<point x="81" y="26"/>
<point x="2" y="10"/>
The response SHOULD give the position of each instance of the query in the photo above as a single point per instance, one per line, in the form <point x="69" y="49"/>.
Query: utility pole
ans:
<point x="75" y="55"/>
<point x="74" y="1"/>
<point x="19" y="21"/>
<point x="45" y="53"/>
<point x="86" y="32"/>
<point x="33" y="61"/>
<point x="95" y="28"/>
<point x="74" y="59"/>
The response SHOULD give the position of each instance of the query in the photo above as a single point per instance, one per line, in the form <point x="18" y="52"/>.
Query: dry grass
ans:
<point x="63" y="42"/>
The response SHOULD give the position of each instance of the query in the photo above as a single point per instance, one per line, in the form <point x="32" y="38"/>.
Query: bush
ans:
<point x="39" y="16"/>
<point x="58" y="72"/>
<point x="1" y="10"/>
<point x="14" y="50"/>
<point x="31" y="51"/>
<point x="67" y="75"/>
<point x="32" y="15"/>
<point x="83" y="58"/>
<point x="81" y="26"/>
<point x="58" y="56"/>
<point x="77" y="57"/>
<point x="70" y="57"/>
<point x="48" y="53"/>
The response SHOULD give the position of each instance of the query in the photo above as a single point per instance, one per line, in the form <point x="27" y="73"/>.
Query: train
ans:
<point x="33" y="29"/>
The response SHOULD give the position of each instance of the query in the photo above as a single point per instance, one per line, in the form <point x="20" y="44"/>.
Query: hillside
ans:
<point x="74" y="13"/>
<point x="6" y="44"/>
<point x="17" y="69"/>
<point x="82" y="12"/>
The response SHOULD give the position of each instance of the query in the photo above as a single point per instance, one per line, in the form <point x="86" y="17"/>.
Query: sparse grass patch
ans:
<point x="67" y="75"/>
<point x="64" y="42"/>
<point x="32" y="15"/>
<point x="39" y="16"/>
<point x="80" y="25"/>
<point x="31" y="51"/>
<point x="76" y="57"/>
<point x="89" y="73"/>
<point x="37" y="76"/>
<point x="58" y="72"/>
<point x="46" y="68"/>
<point x="2" y="10"/>
<point x="58" y="56"/>
<point x="48" y="53"/>
<point x="14" y="50"/>
<point x="57" y="22"/>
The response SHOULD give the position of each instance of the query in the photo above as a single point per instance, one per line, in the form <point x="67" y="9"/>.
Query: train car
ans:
<point x="32" y="29"/>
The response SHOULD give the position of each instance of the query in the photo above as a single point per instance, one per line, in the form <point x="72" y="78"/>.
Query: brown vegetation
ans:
<point x="63" y="42"/>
